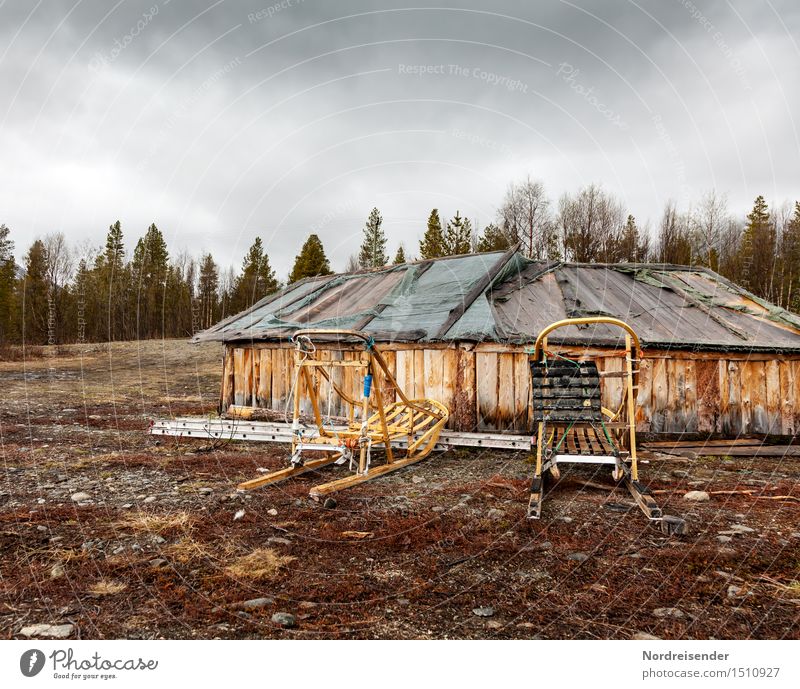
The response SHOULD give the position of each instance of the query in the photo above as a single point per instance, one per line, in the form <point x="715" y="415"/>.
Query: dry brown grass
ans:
<point x="160" y="524"/>
<point x="107" y="587"/>
<point x="69" y="555"/>
<point x="261" y="564"/>
<point x="187" y="550"/>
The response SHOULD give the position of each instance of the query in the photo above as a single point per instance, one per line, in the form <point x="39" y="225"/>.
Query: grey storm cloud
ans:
<point x="225" y="120"/>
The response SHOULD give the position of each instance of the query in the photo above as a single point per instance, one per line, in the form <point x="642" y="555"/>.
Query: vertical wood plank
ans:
<point x="754" y="384"/>
<point x="449" y="377"/>
<point x="738" y="411"/>
<point x="707" y="374"/>
<point x="389" y="393"/>
<point x="787" y="399"/>
<point x="255" y="364"/>
<point x="505" y="391"/>
<point x="660" y="396"/>
<point x="522" y="392"/>
<point x="773" y="396"/>
<point x="644" y="396"/>
<point x="434" y="373"/>
<point x="690" y="397"/>
<point x="264" y="392"/>
<point x="238" y="376"/>
<point x="419" y="373"/>
<point x="279" y="381"/>
<point x="464" y="414"/>
<point x="227" y="387"/>
<point x="795" y="367"/>
<point x="486" y="392"/>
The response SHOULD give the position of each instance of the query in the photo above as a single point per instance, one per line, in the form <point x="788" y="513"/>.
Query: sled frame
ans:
<point x="418" y="422"/>
<point x="614" y="443"/>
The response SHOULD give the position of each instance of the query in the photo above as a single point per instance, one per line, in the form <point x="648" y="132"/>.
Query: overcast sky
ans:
<point x="223" y="120"/>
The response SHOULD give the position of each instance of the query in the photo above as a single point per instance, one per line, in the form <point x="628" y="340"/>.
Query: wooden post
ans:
<point x="631" y="406"/>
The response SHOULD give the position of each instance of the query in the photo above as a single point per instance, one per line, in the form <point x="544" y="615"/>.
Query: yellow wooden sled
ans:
<point x="406" y="430"/>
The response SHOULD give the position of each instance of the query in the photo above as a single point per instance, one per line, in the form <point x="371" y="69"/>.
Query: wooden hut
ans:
<point x="718" y="360"/>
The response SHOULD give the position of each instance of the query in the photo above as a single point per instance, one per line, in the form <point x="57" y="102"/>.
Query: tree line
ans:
<point x="63" y="294"/>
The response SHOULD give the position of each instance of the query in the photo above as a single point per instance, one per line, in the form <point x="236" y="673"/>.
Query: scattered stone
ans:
<point x="149" y="499"/>
<point x="437" y="508"/>
<point x="81" y="497"/>
<point x="158" y="540"/>
<point x="724" y="539"/>
<point x="284" y="619"/>
<point x="272" y="512"/>
<point x="741" y="528"/>
<point x="544" y="545"/>
<point x="403" y="601"/>
<point x="279" y="540"/>
<point x="690" y="454"/>
<point x="644" y="636"/>
<point x="566" y="520"/>
<point x="697" y="496"/>
<point x="734" y="591"/>
<point x="308" y="604"/>
<point x="417" y="479"/>
<point x="494" y="624"/>
<point x="679" y="473"/>
<point x="578" y="557"/>
<point x="119" y="550"/>
<point x="206" y="491"/>
<point x="158" y="562"/>
<point x="41" y="528"/>
<point x="239" y="514"/>
<point x="57" y="571"/>
<point x="495" y="514"/>
<point x="673" y="613"/>
<point x="671" y="525"/>
<point x="50" y="631"/>
<point x="487" y="611"/>
<point x="795" y="534"/>
<point x="255" y="603"/>
<point x="127" y="506"/>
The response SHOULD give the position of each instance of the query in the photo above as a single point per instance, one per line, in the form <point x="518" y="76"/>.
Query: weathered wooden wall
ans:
<point x="487" y="386"/>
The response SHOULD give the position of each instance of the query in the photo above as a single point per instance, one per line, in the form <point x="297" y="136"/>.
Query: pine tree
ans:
<point x="373" y="247"/>
<point x="34" y="292"/>
<point x="757" y="252"/>
<point x="208" y="291"/>
<point x="311" y="261"/>
<point x="150" y="268"/>
<point x="493" y="239"/>
<point x="256" y="280"/>
<point x="83" y="307"/>
<point x="790" y="255"/>
<point x="400" y="256"/>
<point x="458" y="237"/>
<point x="432" y="244"/>
<point x="112" y="283"/>
<point x="8" y="269"/>
<point x="632" y="246"/>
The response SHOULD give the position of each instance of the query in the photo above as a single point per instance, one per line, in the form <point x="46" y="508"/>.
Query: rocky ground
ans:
<point x="106" y="532"/>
